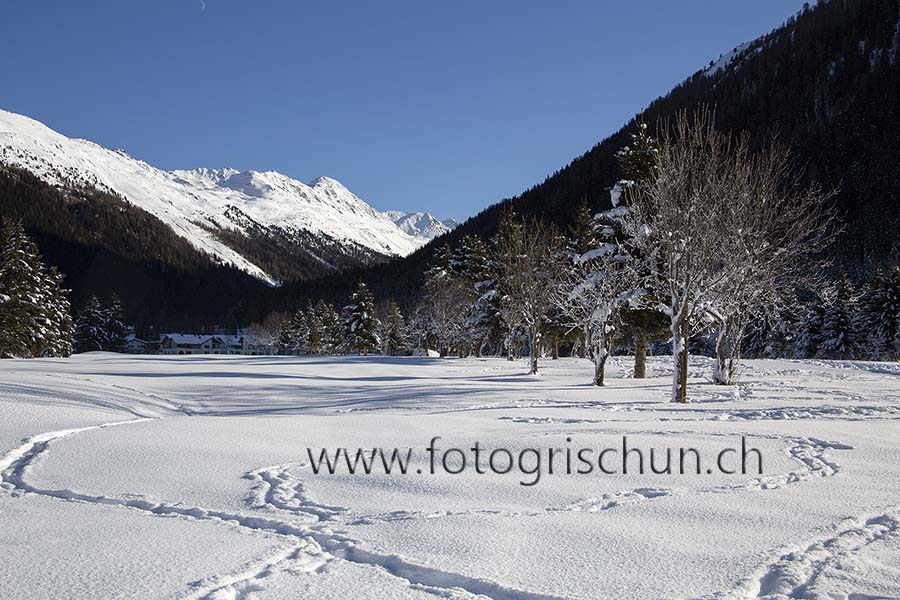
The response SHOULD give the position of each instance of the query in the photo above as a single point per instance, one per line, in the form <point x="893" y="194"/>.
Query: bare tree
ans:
<point x="778" y="229"/>
<point x="266" y="333"/>
<point x="679" y="222"/>
<point x="447" y="305"/>
<point x="724" y="231"/>
<point x="529" y="256"/>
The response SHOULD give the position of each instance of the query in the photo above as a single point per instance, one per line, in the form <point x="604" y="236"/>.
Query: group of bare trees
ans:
<point x="706" y="232"/>
<point x="528" y="266"/>
<point x="726" y="233"/>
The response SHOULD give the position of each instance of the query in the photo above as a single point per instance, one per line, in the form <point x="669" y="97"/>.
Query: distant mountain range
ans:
<point x="266" y="224"/>
<point x="421" y="225"/>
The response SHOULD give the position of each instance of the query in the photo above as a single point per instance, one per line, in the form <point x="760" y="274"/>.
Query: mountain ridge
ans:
<point x="219" y="210"/>
<point x="421" y="225"/>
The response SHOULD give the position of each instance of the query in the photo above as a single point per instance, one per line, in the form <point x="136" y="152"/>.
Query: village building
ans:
<point x="136" y="345"/>
<point x="187" y="343"/>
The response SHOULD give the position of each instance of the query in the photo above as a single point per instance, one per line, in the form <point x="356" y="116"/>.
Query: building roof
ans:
<point x="188" y="338"/>
<point x="195" y="339"/>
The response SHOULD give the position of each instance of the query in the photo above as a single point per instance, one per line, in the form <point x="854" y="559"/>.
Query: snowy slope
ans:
<point x="726" y="59"/>
<point x="420" y="225"/>
<point x="196" y="203"/>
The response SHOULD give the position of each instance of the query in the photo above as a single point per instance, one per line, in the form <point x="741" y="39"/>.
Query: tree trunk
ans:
<point x="640" y="356"/>
<point x="443" y="351"/>
<point x="679" y="356"/>
<point x="555" y="347"/>
<point x="509" y="348"/>
<point x="728" y="351"/>
<point x="534" y="341"/>
<point x="722" y="372"/>
<point x="600" y="356"/>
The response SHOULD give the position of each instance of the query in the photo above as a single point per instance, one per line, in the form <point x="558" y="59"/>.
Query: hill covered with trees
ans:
<point x="105" y="246"/>
<point x="827" y="82"/>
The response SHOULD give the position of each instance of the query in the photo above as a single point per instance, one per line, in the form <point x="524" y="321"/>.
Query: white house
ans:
<point x="186" y="343"/>
<point x="135" y="345"/>
<point x="242" y="344"/>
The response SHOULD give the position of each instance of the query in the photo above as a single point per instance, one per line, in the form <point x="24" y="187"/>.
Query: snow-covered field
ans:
<point x="188" y="477"/>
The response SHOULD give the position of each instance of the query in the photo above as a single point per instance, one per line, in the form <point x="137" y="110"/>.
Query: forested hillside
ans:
<point x="106" y="246"/>
<point x="827" y="82"/>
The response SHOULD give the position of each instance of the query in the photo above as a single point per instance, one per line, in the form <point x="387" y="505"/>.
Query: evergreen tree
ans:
<point x="115" y="328"/>
<point x="360" y="323"/>
<point x="15" y="284"/>
<point x="299" y="333"/>
<point x="57" y="312"/>
<point x="34" y="308"/>
<point x="484" y="320"/>
<point x="638" y="160"/>
<point x="582" y="235"/>
<point x="783" y="333"/>
<point x="393" y="337"/>
<point x="841" y="331"/>
<point x="285" y="346"/>
<point x="809" y="333"/>
<point x="41" y="330"/>
<point x="314" y="329"/>
<point x="640" y="323"/>
<point x="772" y="336"/>
<point x="881" y="314"/>
<point x="90" y="327"/>
<point x="582" y="239"/>
<point x="467" y="265"/>
<point x="756" y="339"/>
<point x="332" y="327"/>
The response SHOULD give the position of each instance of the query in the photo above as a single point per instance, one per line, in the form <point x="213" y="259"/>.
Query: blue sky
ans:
<point x="439" y="106"/>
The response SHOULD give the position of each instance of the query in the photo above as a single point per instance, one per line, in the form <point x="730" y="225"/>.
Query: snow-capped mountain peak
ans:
<point x="199" y="203"/>
<point x="421" y="225"/>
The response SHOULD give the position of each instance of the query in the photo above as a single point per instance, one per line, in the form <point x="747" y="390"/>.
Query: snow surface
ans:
<point x="726" y="59"/>
<point x="421" y="225"/>
<point x="191" y="201"/>
<point x="187" y="477"/>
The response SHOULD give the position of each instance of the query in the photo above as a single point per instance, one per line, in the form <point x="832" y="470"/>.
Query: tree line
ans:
<point x="359" y="327"/>
<point x="711" y="245"/>
<point x="708" y="238"/>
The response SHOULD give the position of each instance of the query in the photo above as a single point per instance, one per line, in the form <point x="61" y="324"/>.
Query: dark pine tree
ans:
<point x="360" y="325"/>
<point x="90" y="327"/>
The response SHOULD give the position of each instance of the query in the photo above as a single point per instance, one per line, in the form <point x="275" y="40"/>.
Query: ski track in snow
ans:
<point x="793" y="572"/>
<point x="317" y="544"/>
<point x="310" y="544"/>
<point x="278" y="488"/>
<point x="305" y="557"/>
<point x="786" y="413"/>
